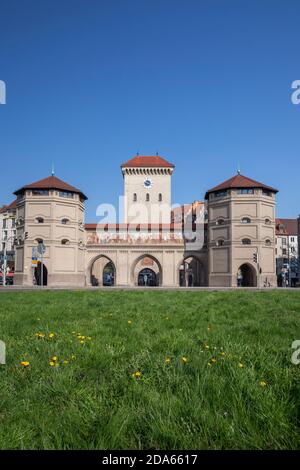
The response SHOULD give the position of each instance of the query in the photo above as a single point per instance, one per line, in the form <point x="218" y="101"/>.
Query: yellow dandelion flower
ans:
<point x="73" y="357"/>
<point x="129" y="322"/>
<point x="241" y="365"/>
<point x="25" y="363"/>
<point x="214" y="360"/>
<point x="206" y="346"/>
<point x="167" y="360"/>
<point x="66" y="362"/>
<point x="209" y="364"/>
<point x="51" y="363"/>
<point x="51" y="335"/>
<point x="89" y="338"/>
<point x="54" y="358"/>
<point x="184" y="359"/>
<point x="262" y="383"/>
<point x="137" y="374"/>
<point x="82" y="341"/>
<point x="222" y="353"/>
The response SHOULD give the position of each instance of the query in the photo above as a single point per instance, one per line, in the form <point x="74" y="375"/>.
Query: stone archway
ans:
<point x="246" y="276"/>
<point x="146" y="265"/>
<point x="103" y="271"/>
<point x="191" y="273"/>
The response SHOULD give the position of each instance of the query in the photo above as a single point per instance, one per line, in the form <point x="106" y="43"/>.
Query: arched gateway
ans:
<point x="103" y="272"/>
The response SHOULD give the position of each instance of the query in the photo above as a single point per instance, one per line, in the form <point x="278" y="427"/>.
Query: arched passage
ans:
<point x="103" y="272"/>
<point x="146" y="271"/>
<point x="191" y="272"/>
<point x="246" y="276"/>
<point x="41" y="274"/>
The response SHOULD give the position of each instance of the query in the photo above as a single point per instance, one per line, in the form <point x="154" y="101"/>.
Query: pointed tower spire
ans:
<point x="52" y="170"/>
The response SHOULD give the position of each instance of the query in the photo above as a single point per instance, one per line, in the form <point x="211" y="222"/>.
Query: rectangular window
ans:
<point x="284" y="251"/>
<point x="40" y="192"/>
<point x="245" y="191"/>
<point x="292" y="239"/>
<point x="4" y="223"/>
<point x="220" y="193"/>
<point x="65" y="194"/>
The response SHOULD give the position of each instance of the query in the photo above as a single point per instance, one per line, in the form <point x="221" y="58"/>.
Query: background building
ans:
<point x="8" y="233"/>
<point x="287" y="260"/>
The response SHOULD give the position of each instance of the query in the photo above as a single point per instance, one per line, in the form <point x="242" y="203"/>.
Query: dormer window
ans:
<point x="64" y="221"/>
<point x="65" y="241"/>
<point x="246" y="241"/>
<point x="268" y="242"/>
<point x="268" y="221"/>
<point x="220" y="242"/>
<point x="246" y="220"/>
<point x="39" y="220"/>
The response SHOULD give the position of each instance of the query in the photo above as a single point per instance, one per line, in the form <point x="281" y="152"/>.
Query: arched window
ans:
<point x="65" y="241"/>
<point x="220" y="221"/>
<point x="39" y="220"/>
<point x="147" y="197"/>
<point x="64" y="221"/>
<point x="268" y="242"/>
<point x="220" y="242"/>
<point x="246" y="220"/>
<point x="246" y="241"/>
<point x="134" y="197"/>
<point x="39" y="240"/>
<point x="159" y="197"/>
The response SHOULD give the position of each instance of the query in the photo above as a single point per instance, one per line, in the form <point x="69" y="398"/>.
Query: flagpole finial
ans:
<point x="238" y="169"/>
<point x="52" y="170"/>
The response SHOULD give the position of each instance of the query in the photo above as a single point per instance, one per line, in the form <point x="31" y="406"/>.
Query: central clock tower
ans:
<point x="147" y="190"/>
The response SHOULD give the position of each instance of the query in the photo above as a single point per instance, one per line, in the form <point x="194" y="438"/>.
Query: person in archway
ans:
<point x="145" y="279"/>
<point x="239" y="278"/>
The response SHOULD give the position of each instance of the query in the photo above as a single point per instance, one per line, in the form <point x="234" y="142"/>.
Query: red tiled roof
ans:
<point x="290" y="227"/>
<point x="52" y="182"/>
<point x="239" y="181"/>
<point x="147" y="162"/>
<point x="10" y="206"/>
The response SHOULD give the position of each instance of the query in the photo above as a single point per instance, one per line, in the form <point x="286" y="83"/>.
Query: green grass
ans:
<point x="93" y="402"/>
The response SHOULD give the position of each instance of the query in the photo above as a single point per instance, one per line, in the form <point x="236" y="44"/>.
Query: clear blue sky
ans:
<point x="207" y="84"/>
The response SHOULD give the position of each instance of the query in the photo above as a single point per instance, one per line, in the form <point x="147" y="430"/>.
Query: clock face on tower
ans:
<point x="147" y="183"/>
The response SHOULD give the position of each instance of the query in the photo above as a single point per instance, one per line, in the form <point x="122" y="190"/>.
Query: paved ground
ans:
<point x="39" y="288"/>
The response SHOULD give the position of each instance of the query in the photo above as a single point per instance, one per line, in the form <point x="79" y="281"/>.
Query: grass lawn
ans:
<point x="216" y="370"/>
